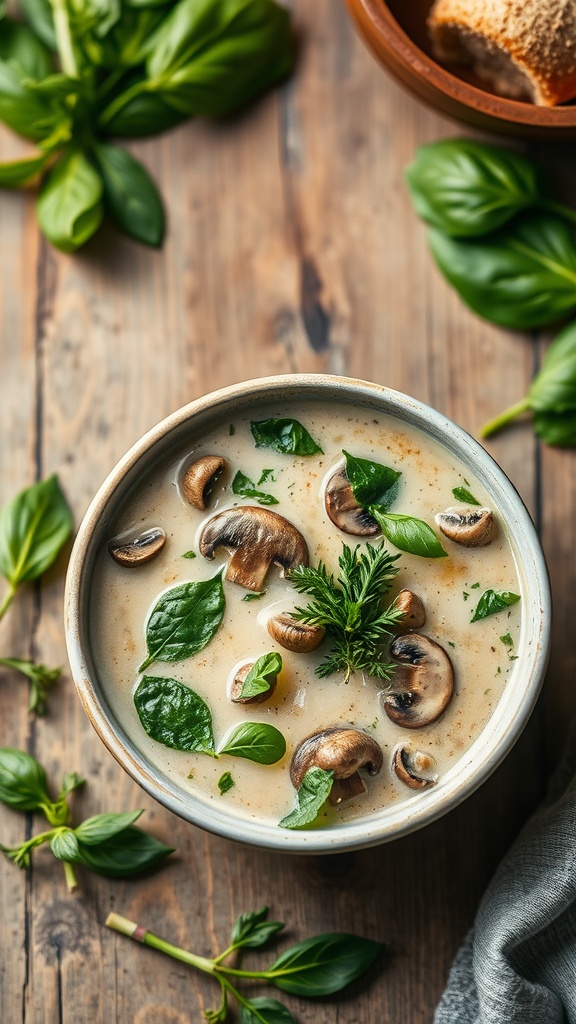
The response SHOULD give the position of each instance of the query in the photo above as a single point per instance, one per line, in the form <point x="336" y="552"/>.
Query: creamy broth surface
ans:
<point x="122" y="599"/>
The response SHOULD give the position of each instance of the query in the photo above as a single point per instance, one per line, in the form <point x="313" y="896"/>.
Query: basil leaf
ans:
<point x="70" y="782"/>
<point x="558" y="429"/>
<point x="463" y="494"/>
<point x="15" y="173"/>
<point x="64" y="845"/>
<point x="266" y="474"/>
<point x="311" y="796"/>
<point x="38" y="14"/>
<point x="262" y="1010"/>
<point x="143" y="115"/>
<point x="18" y="43"/>
<point x="22" y="781"/>
<point x="225" y="783"/>
<point x="254" y="596"/>
<point x="255" y="741"/>
<point x="173" y="714"/>
<point x="211" y="56"/>
<point x="130" y="196"/>
<point x="184" y="619"/>
<point x="252" y="930"/>
<point x="21" y="109"/>
<point x="522" y="277"/>
<point x="493" y="601"/>
<point x="40" y="677"/>
<point x="242" y="485"/>
<point x="33" y="528"/>
<point x="262" y="675"/>
<point x="104" y="826"/>
<point x="553" y="390"/>
<point x="408" y="534"/>
<point x="372" y="483"/>
<point x="70" y="202"/>
<point x="124" y="854"/>
<point x="325" y="964"/>
<point x="467" y="188"/>
<point x="286" y="436"/>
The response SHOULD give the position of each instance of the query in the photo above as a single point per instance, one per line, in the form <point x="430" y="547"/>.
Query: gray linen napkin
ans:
<point x="518" y="963"/>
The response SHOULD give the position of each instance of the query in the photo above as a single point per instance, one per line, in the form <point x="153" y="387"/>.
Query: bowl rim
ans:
<point x="509" y="716"/>
<point x="377" y="15"/>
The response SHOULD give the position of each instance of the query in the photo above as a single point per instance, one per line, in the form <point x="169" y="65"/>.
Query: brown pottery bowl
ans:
<point x="396" y="33"/>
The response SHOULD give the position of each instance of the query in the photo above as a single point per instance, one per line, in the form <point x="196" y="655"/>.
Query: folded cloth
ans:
<point x="518" y="963"/>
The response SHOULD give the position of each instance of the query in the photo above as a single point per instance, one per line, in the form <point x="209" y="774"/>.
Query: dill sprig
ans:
<point x="351" y="609"/>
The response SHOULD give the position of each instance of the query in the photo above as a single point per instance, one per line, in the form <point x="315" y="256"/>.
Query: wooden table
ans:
<point x="292" y="247"/>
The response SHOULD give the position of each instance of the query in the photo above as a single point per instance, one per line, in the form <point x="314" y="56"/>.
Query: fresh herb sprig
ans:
<point x="34" y="526"/>
<point x="107" y="844"/>
<point x="351" y="609"/>
<point x="319" y="966"/>
<point x="73" y="74"/>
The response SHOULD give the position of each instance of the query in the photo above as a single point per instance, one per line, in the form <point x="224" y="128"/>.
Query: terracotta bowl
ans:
<point x="476" y="763"/>
<point x="396" y="33"/>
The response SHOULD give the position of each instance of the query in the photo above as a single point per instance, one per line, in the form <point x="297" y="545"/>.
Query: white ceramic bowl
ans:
<point x="507" y="720"/>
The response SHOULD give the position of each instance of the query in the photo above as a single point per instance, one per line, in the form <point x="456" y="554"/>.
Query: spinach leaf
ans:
<point x="18" y="43"/>
<point x="324" y="964"/>
<point x="466" y="188"/>
<point x="493" y="601"/>
<point x="262" y="1010"/>
<point x="408" y="533"/>
<point x="23" y="784"/>
<point x="242" y="485"/>
<point x="70" y="202"/>
<point x="126" y="853"/>
<point x="15" y="173"/>
<point x="64" y="845"/>
<point x="33" y="528"/>
<point x="311" y="796"/>
<point x="262" y="675"/>
<point x="225" y="783"/>
<point x="521" y="277"/>
<point x="255" y="741"/>
<point x="94" y="830"/>
<point x="173" y="714"/>
<point x="371" y="482"/>
<point x="463" y="494"/>
<point x="286" y="436"/>
<point x="184" y="619"/>
<point x="252" y="930"/>
<point x="130" y="196"/>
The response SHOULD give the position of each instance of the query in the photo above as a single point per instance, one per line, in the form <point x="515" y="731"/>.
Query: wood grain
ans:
<point x="292" y="247"/>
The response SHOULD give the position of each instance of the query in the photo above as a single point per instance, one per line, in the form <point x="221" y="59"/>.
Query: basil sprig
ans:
<point x="463" y="494"/>
<point x="311" y="796"/>
<point x="184" y="620"/>
<point x="286" y="436"/>
<point x="493" y="601"/>
<point x="262" y="675"/>
<point x="107" y="844"/>
<point x="241" y="484"/>
<point x="175" y="715"/>
<point x="319" y="966"/>
<point x="95" y="70"/>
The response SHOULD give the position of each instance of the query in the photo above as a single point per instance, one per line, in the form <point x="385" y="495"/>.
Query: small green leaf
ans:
<point x="262" y="1010"/>
<point x="242" y="485"/>
<point x="70" y="782"/>
<point x="463" y="494"/>
<point x="189" y="554"/>
<point x="130" y="196"/>
<point x="23" y="783"/>
<point x="41" y="679"/>
<point x="493" y="601"/>
<point x="556" y="429"/>
<point x="408" y="534"/>
<point x="104" y="826"/>
<point x="507" y="640"/>
<point x="262" y="675"/>
<point x="70" y="202"/>
<point x="252" y="930"/>
<point x="371" y="482"/>
<point x="124" y="854"/>
<point x="267" y="474"/>
<point x="255" y="596"/>
<point x="286" y="436"/>
<point x="311" y="796"/>
<point x="173" y="714"/>
<point x="184" y="620"/>
<point x="64" y="845"/>
<point x="325" y="964"/>
<point x="33" y="528"/>
<point x="255" y="741"/>
<point x="19" y="44"/>
<point x="225" y="783"/>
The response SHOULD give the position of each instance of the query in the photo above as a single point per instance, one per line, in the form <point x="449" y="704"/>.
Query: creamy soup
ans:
<point x="482" y="653"/>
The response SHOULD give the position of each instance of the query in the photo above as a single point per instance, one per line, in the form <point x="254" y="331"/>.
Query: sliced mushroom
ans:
<point x="423" y="682"/>
<point x="199" y="479"/>
<point x="341" y="750"/>
<point x="413" y="608"/>
<point x="472" y="527"/>
<point x="236" y="682"/>
<point x="295" y="636"/>
<point x="136" y="549"/>
<point x="258" y="538"/>
<point x="343" y="509"/>
<point x="414" y="768"/>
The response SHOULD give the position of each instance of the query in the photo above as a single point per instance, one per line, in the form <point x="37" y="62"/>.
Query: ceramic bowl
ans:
<point x="510" y="714"/>
<point x="396" y="33"/>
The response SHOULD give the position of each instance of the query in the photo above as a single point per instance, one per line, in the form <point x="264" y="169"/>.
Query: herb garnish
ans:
<point x="184" y="619"/>
<point x="463" y="494"/>
<point x="255" y="741"/>
<point x="507" y="640"/>
<point x="189" y="554"/>
<point x="319" y="966"/>
<point x="350" y="609"/>
<point x="286" y="436"/>
<point x="493" y="601"/>
<point x="107" y="844"/>
<point x="242" y="485"/>
<point x="267" y="474"/>
<point x="262" y="675"/>
<point x="254" y="596"/>
<point x="311" y="796"/>
<point x="225" y="783"/>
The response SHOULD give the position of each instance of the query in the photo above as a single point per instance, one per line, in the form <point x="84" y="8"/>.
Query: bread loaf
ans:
<point x="523" y="48"/>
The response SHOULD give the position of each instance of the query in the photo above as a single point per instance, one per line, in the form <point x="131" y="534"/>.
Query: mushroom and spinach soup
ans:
<point x="306" y="618"/>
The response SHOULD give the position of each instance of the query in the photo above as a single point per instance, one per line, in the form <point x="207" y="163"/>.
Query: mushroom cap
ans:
<point x="411" y="767"/>
<point x="199" y="479"/>
<point x="413" y="608"/>
<point x="132" y="549"/>
<point x="343" y="750"/>
<point x="299" y="637"/>
<point x="258" y="537"/>
<point x="473" y="527"/>
<point x="423" y="681"/>
<point x="343" y="509"/>
<point x="236" y="681"/>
